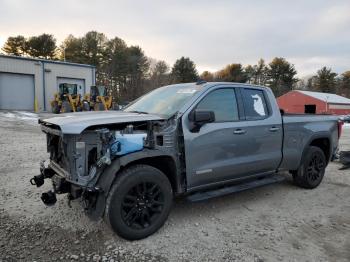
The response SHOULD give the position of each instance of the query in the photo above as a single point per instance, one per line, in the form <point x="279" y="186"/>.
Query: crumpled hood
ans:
<point x="75" y="123"/>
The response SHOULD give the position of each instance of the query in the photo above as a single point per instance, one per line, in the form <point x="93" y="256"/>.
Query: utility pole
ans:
<point x="64" y="54"/>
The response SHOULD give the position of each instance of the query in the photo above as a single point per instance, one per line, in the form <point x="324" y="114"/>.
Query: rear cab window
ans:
<point x="254" y="102"/>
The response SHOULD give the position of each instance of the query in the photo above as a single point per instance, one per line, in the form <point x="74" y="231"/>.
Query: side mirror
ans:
<point x="199" y="117"/>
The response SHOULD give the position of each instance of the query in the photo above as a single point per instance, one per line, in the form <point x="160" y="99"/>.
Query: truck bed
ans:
<point x="300" y="130"/>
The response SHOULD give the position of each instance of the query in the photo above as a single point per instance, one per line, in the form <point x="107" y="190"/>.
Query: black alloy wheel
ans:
<point x="315" y="168"/>
<point x="142" y="205"/>
<point x="312" y="169"/>
<point x="139" y="202"/>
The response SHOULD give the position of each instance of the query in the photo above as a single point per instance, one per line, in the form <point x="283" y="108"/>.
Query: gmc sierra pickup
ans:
<point x="198" y="140"/>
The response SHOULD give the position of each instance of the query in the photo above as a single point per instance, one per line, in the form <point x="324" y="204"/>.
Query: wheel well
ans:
<point x="323" y="144"/>
<point x="166" y="164"/>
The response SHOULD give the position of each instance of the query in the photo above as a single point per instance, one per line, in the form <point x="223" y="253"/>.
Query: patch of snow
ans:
<point x="29" y="114"/>
<point x="8" y="115"/>
<point x="20" y="115"/>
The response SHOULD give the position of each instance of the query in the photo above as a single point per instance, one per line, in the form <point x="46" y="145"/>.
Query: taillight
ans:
<point x="340" y="128"/>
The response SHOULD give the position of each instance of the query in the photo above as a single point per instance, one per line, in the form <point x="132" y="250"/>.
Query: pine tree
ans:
<point x="15" y="45"/>
<point x="325" y="80"/>
<point x="184" y="70"/>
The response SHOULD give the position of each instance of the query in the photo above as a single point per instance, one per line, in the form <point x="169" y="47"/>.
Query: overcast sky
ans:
<point x="310" y="34"/>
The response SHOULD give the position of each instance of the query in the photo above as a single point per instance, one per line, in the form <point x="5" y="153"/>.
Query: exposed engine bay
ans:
<point x="77" y="161"/>
<point x="92" y="151"/>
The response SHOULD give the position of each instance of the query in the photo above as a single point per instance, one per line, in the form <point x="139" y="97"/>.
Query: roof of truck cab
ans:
<point x="210" y="84"/>
<point x="203" y="85"/>
<point x="235" y="84"/>
<point x="232" y="83"/>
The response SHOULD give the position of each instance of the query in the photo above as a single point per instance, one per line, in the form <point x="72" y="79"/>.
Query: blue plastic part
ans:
<point x="126" y="143"/>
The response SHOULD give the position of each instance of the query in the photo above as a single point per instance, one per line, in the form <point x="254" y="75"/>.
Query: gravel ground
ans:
<point x="275" y="223"/>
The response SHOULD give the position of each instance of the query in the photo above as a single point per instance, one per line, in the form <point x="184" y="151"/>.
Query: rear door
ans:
<point x="263" y="128"/>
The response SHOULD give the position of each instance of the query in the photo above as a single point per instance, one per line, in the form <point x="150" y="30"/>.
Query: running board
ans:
<point x="201" y="196"/>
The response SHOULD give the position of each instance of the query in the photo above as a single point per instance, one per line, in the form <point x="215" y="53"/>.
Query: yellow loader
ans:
<point x="67" y="99"/>
<point x="97" y="100"/>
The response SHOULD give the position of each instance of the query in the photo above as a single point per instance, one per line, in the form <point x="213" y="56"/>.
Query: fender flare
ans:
<point x="320" y="135"/>
<point x="106" y="179"/>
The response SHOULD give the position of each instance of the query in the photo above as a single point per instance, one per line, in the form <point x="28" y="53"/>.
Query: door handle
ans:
<point x="239" y="131"/>
<point x="274" y="129"/>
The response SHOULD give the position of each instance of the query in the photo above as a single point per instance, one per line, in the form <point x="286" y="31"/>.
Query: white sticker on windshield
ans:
<point x="186" y="91"/>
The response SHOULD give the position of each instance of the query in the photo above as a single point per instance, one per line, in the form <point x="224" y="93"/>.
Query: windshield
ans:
<point x="166" y="100"/>
<point x="68" y="89"/>
<point x="102" y="91"/>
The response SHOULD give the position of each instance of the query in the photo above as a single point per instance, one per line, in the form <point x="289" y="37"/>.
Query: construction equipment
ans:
<point x="97" y="100"/>
<point x="67" y="99"/>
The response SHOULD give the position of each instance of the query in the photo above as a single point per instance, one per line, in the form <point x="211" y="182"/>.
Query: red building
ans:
<point x="301" y="102"/>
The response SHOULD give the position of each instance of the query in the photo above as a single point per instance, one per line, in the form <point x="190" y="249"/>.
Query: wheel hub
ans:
<point x="315" y="167"/>
<point x="142" y="205"/>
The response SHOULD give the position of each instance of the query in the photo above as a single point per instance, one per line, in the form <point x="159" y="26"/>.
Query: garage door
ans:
<point x="16" y="92"/>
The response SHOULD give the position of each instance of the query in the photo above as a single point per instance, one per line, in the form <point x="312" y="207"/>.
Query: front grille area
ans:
<point x="59" y="170"/>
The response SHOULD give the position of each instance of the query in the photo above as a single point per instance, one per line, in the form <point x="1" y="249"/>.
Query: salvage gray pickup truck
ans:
<point x="197" y="140"/>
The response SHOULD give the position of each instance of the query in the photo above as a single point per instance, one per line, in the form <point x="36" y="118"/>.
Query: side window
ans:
<point x="223" y="103"/>
<point x="254" y="104"/>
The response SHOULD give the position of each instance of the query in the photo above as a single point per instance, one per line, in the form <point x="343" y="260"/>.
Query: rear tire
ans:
<point x="86" y="106"/>
<point x="66" y="107"/>
<point x="99" y="106"/>
<point x="139" y="202"/>
<point x="312" y="169"/>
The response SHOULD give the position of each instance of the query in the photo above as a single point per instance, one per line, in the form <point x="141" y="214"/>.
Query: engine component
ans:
<point x="129" y="129"/>
<point x="37" y="181"/>
<point x="105" y="160"/>
<point x="49" y="198"/>
<point x="123" y="144"/>
<point x="45" y="172"/>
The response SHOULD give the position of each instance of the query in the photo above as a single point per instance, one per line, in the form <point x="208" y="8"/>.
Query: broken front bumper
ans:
<point x="60" y="183"/>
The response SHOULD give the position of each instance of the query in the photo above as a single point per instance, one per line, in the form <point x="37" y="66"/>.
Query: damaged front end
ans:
<point x="78" y="160"/>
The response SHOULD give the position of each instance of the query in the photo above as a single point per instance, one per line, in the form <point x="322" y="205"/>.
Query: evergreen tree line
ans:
<point x="128" y="72"/>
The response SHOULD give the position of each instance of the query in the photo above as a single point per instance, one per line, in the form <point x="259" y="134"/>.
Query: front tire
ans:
<point x="139" y="202"/>
<point x="312" y="170"/>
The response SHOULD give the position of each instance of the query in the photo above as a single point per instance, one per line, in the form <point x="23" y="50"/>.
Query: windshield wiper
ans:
<point x="139" y="112"/>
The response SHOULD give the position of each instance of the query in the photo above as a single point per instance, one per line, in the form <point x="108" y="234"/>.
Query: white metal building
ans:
<point x="30" y="84"/>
